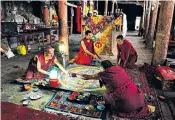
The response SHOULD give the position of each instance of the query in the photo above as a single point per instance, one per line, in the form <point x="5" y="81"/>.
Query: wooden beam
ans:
<point x="137" y="3"/>
<point x="71" y="5"/>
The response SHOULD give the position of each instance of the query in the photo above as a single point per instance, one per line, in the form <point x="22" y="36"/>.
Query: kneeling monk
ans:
<point x="126" y="99"/>
<point x="87" y="52"/>
<point x="126" y="52"/>
<point x="39" y="65"/>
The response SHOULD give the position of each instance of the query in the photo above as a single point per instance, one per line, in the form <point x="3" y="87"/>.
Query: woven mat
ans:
<point x="59" y="102"/>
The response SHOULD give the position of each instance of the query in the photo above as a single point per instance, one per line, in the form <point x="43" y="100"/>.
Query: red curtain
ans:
<point x="78" y="18"/>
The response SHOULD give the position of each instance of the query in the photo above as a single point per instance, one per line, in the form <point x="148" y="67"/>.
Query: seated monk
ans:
<point x="4" y="48"/>
<point x="86" y="53"/>
<point x="40" y="64"/>
<point x="125" y="98"/>
<point x="126" y="52"/>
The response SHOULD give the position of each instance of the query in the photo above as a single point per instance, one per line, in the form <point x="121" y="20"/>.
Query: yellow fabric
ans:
<point x="21" y="49"/>
<point x="103" y="39"/>
<point x="87" y="9"/>
<point x="118" y="21"/>
<point x="151" y="108"/>
<point x="96" y="18"/>
<point x="46" y="57"/>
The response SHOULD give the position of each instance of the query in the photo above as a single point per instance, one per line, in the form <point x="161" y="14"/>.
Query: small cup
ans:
<point x="100" y="107"/>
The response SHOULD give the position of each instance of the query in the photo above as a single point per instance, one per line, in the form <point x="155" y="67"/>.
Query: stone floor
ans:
<point x="16" y="66"/>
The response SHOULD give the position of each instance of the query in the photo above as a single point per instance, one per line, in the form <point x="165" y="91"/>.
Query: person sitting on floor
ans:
<point x="126" y="52"/>
<point x="125" y="98"/>
<point x="87" y="52"/>
<point x="40" y="64"/>
<point x="5" y="49"/>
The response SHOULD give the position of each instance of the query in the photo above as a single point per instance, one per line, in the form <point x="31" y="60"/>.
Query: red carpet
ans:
<point x="10" y="111"/>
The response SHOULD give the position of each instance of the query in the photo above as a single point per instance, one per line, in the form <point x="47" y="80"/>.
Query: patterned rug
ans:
<point x="60" y="103"/>
<point x="70" y="82"/>
<point x="140" y="80"/>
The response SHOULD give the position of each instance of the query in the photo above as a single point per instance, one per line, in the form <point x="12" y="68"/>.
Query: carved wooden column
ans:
<point x="147" y="18"/>
<point x="106" y="8"/>
<point x="46" y="13"/>
<point x="152" y="24"/>
<point x="63" y="25"/>
<point x="163" y="32"/>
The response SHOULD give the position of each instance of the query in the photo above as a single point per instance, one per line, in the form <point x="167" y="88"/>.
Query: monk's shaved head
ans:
<point x="106" y="64"/>
<point x="120" y="37"/>
<point x="50" y="50"/>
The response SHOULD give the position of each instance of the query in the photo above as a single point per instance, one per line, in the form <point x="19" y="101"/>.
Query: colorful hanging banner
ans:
<point x="101" y="27"/>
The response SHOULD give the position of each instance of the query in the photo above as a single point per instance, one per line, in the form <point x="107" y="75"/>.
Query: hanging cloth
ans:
<point x="72" y="11"/>
<point x="78" y="20"/>
<point x="124" y="25"/>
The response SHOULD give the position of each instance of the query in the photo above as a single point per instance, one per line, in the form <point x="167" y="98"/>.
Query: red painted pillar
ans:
<point x="46" y="14"/>
<point x="63" y="25"/>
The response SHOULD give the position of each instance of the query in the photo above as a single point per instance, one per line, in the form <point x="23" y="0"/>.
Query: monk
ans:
<point x="126" y="52"/>
<point x="86" y="53"/>
<point x="125" y="98"/>
<point x="40" y="64"/>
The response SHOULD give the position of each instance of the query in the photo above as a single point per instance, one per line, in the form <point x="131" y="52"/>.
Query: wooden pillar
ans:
<point x="163" y="32"/>
<point x="106" y="7"/>
<point x="63" y="25"/>
<point x="112" y="11"/>
<point x="152" y="25"/>
<point x="97" y="5"/>
<point x="46" y="14"/>
<point x="146" y="5"/>
<point x="143" y="16"/>
<point x="71" y="25"/>
<point x="147" y="18"/>
<point x="92" y="5"/>
<point x="84" y="4"/>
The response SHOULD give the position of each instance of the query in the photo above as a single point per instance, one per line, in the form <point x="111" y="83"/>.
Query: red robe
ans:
<point x="125" y="97"/>
<point x="82" y="57"/>
<point x="32" y="72"/>
<point x="126" y="50"/>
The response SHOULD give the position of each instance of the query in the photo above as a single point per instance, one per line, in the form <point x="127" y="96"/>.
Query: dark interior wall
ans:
<point x="131" y="11"/>
<point x="36" y="6"/>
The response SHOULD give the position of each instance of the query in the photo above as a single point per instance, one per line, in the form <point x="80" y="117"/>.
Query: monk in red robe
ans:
<point x="86" y="53"/>
<point x="39" y="65"/>
<point x="126" y="52"/>
<point x="125" y="98"/>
